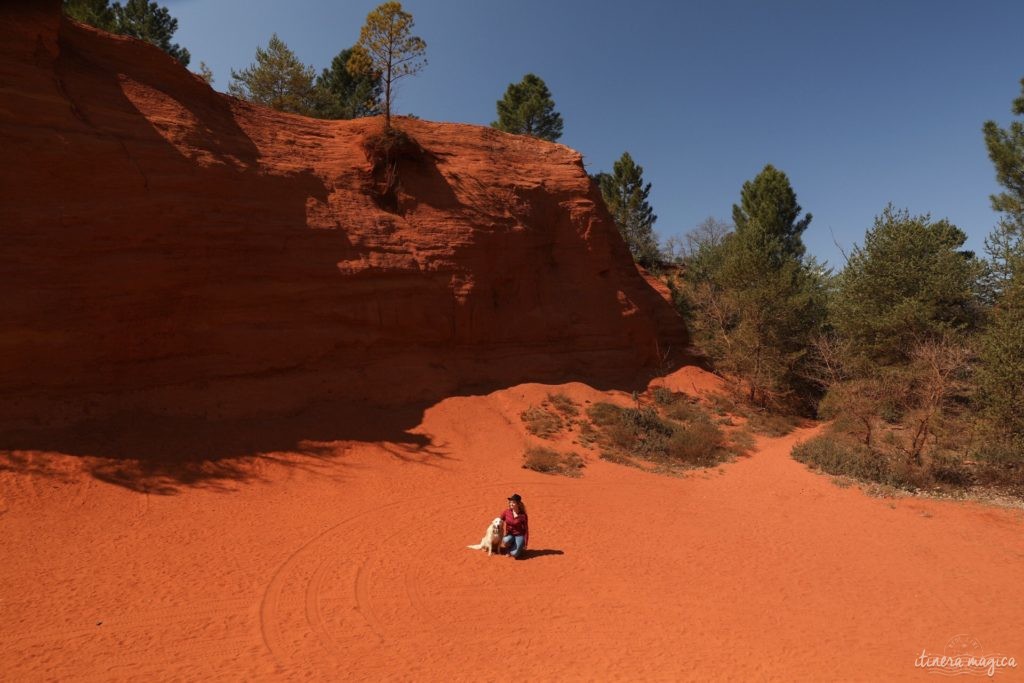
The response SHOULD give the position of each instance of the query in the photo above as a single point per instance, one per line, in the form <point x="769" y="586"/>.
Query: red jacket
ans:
<point x="516" y="526"/>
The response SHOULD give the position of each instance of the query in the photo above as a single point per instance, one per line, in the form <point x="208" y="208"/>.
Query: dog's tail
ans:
<point x="478" y="546"/>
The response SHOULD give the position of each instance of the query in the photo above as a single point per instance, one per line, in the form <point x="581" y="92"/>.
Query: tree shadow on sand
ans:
<point x="162" y="454"/>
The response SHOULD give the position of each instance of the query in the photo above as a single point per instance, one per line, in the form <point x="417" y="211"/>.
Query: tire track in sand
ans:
<point x="342" y="592"/>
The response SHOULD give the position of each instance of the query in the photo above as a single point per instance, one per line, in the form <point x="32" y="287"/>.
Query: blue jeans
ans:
<point x="518" y="542"/>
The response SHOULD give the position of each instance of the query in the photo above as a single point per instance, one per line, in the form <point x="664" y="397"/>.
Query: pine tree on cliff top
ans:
<point x="625" y="195"/>
<point x="137" y="18"/>
<point x="387" y="47"/>
<point x="344" y="95"/>
<point x="527" y="109"/>
<point x="150" y="22"/>
<point x="277" y="79"/>
<point x="96" y="13"/>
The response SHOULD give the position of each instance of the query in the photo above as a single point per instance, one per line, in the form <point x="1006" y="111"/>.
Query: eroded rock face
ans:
<point x="171" y="250"/>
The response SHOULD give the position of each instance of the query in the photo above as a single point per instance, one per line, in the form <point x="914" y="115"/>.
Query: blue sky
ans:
<point x="861" y="103"/>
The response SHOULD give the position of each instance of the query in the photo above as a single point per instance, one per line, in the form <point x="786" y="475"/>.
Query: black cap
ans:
<point x="516" y="497"/>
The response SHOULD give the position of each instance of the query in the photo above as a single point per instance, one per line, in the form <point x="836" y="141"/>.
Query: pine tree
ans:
<point x="1000" y="375"/>
<point x="768" y="215"/>
<point x="205" y="73"/>
<point x="625" y="195"/>
<point x="1006" y="150"/>
<point x="137" y="18"/>
<point x="96" y="13"/>
<point x="150" y="22"/>
<point x="527" y="109"/>
<point x="342" y="95"/>
<point x="911" y="283"/>
<point x="1004" y="248"/>
<point x="277" y="79"/>
<point x="755" y="301"/>
<point x="387" y="47"/>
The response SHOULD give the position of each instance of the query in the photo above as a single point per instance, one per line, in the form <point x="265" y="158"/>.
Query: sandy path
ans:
<point x="353" y="566"/>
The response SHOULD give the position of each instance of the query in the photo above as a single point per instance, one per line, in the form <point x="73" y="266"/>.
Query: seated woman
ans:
<point x="515" y="530"/>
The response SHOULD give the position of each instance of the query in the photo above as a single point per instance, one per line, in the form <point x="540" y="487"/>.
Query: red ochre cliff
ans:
<point x="169" y="250"/>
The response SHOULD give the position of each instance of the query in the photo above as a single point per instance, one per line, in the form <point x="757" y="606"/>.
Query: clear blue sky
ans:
<point x="859" y="102"/>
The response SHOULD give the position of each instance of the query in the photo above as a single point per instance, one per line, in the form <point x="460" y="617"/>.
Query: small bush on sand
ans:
<point x="686" y="411"/>
<point x="642" y="433"/>
<point x="663" y="396"/>
<point x="699" y="443"/>
<point x="956" y="462"/>
<point x="677" y="406"/>
<point x="840" y="457"/>
<point x="722" y="404"/>
<point x="741" y="442"/>
<point x="548" y="461"/>
<point x="541" y="422"/>
<point x="603" y="414"/>
<point x="772" y="424"/>
<point x="563" y="404"/>
<point x="1003" y="474"/>
<point x="947" y="469"/>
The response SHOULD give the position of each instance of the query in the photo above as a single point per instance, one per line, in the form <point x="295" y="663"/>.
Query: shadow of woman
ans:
<point x="529" y="554"/>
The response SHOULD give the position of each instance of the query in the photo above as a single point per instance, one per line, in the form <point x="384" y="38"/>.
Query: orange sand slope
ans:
<point x="347" y="560"/>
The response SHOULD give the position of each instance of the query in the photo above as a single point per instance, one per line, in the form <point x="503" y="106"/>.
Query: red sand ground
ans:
<point x="195" y="280"/>
<point x="348" y="561"/>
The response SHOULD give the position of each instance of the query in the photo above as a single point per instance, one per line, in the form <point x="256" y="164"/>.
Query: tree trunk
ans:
<point x="867" y="427"/>
<point x="387" y="99"/>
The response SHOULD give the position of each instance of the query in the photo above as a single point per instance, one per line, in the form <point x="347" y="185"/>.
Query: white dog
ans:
<point x="491" y="539"/>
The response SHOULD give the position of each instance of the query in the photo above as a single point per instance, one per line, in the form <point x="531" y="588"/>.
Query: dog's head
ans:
<point x="496" y="525"/>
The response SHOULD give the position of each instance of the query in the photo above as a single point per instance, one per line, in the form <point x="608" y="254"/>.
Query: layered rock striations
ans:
<point x="171" y="250"/>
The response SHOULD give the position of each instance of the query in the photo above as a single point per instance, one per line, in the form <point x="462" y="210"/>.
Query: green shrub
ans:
<point x="685" y="411"/>
<point x="840" y="457"/>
